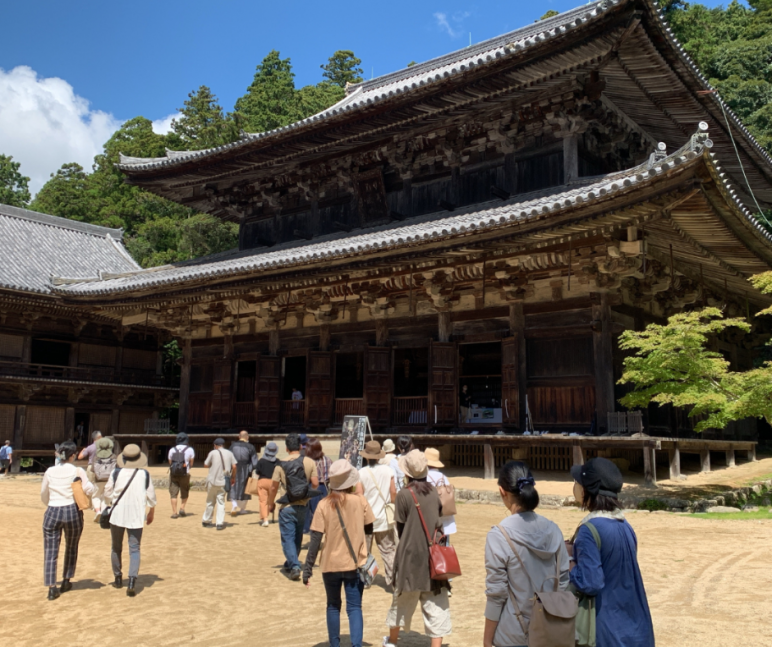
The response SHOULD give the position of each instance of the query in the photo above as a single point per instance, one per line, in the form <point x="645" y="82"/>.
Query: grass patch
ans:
<point x="652" y="505"/>
<point x="734" y="516"/>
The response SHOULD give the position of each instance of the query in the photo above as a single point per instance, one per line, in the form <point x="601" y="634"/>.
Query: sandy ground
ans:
<point x="708" y="582"/>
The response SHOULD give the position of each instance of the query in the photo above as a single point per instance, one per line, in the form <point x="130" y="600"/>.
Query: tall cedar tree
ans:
<point x="342" y="68"/>
<point x="67" y="194"/>
<point x="202" y="123"/>
<point x="14" y="187"/>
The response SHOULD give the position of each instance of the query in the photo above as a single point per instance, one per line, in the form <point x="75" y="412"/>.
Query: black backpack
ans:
<point x="178" y="462"/>
<point x="296" y="481"/>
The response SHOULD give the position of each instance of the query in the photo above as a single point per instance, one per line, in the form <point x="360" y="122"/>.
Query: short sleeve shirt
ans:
<point x="190" y="454"/>
<point x="220" y="462"/>
<point x="5" y="452"/>
<point x="376" y="482"/>
<point x="356" y="514"/>
<point x="90" y="453"/>
<point x="309" y="466"/>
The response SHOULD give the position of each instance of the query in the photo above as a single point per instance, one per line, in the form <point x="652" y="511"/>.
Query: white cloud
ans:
<point x="44" y="124"/>
<point x="452" y="25"/>
<point x="163" y="126"/>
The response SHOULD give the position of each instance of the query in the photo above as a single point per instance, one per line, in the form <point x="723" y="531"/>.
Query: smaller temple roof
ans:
<point x="443" y="225"/>
<point x="34" y="246"/>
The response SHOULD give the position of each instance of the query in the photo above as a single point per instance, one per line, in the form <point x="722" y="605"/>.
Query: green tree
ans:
<point x="312" y="99"/>
<point x="14" y="187"/>
<point x="549" y="14"/>
<point x="270" y="100"/>
<point x="671" y="364"/>
<point x="342" y="68"/>
<point x="202" y="234"/>
<point x="67" y="194"/>
<point x="202" y="123"/>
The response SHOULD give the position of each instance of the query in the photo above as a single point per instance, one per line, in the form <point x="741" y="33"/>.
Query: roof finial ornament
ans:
<point x="659" y="154"/>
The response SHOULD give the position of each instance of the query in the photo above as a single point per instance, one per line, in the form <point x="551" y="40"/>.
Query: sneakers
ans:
<point x="265" y="523"/>
<point x="183" y="513"/>
<point x="235" y="512"/>
<point x="386" y="642"/>
<point x="220" y="527"/>
<point x="206" y="524"/>
<point x="295" y="574"/>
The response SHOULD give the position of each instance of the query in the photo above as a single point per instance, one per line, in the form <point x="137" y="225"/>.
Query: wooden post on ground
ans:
<point x="187" y="356"/>
<point x="650" y="466"/>
<point x="730" y="460"/>
<point x="490" y="466"/>
<point x="752" y="454"/>
<point x="19" y="423"/>
<point x="705" y="460"/>
<point x="578" y="455"/>
<point x="674" y="455"/>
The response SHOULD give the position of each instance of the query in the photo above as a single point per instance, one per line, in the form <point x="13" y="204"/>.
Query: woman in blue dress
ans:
<point x="607" y="567"/>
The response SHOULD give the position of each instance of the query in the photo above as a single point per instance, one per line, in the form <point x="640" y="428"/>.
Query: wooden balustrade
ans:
<point x="348" y="407"/>
<point x="84" y="374"/>
<point x="244" y="414"/>
<point x="410" y="411"/>
<point x="293" y="413"/>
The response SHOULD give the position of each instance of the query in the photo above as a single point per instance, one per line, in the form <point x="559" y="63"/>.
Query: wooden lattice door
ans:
<point x="510" y="382"/>
<point x="221" y="395"/>
<point x="319" y="382"/>
<point x="267" y="392"/>
<point x="377" y="386"/>
<point x="443" y="385"/>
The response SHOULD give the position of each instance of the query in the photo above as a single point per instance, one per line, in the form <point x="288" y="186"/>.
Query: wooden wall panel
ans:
<point x="11" y="346"/>
<point x="319" y="391"/>
<point x="377" y="386"/>
<point x="100" y="422"/>
<point x="133" y="422"/>
<point x="561" y="404"/>
<point x="95" y="355"/>
<point x="567" y="357"/>
<point x="443" y="385"/>
<point x="221" y="394"/>
<point x="268" y="392"/>
<point x="144" y="360"/>
<point x="201" y="378"/>
<point x="200" y="412"/>
<point x="44" y="425"/>
<point x="7" y="417"/>
<point x="510" y="382"/>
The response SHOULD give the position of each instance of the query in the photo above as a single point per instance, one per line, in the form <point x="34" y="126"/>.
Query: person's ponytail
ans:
<point x="516" y="478"/>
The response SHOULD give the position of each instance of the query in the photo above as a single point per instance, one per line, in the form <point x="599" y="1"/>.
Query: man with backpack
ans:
<point x="298" y="477"/>
<point x="6" y="457"/>
<point x="181" y="458"/>
<point x="222" y="474"/>
<point x="90" y="453"/>
<point x="103" y="465"/>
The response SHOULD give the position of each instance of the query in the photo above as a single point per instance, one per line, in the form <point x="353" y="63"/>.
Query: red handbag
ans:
<point x="443" y="561"/>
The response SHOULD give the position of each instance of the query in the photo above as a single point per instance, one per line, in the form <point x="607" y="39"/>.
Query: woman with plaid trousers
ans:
<point x="62" y="515"/>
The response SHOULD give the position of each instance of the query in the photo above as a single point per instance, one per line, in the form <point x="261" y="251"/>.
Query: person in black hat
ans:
<point x="611" y="575"/>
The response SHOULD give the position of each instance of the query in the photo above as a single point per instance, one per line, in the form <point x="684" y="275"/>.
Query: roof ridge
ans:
<point x="59" y="222"/>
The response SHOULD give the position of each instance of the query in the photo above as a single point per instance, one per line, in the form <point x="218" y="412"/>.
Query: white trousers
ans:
<point x="241" y="505"/>
<point x="215" y="494"/>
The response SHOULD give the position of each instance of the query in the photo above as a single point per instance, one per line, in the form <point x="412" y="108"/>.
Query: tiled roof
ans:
<point x="385" y="87"/>
<point x="432" y="227"/>
<point x="35" y="246"/>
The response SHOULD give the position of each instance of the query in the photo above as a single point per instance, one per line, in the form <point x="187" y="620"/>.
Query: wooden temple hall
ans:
<point x="489" y="220"/>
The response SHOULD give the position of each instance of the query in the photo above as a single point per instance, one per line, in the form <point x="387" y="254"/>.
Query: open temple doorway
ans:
<point x="411" y="387"/>
<point x="349" y="385"/>
<point x="479" y="384"/>
<point x="244" y="409"/>
<point x="293" y="391"/>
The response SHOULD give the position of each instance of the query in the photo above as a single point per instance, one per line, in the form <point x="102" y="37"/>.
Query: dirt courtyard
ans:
<point x="708" y="582"/>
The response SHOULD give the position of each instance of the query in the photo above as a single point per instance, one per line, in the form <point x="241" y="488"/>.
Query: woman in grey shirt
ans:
<point x="539" y="543"/>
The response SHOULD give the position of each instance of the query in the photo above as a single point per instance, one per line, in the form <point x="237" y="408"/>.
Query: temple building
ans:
<point x="66" y="371"/>
<point x="476" y="229"/>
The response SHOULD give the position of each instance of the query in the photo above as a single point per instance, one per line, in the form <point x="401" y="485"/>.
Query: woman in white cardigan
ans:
<point x="131" y="490"/>
<point x="62" y="515"/>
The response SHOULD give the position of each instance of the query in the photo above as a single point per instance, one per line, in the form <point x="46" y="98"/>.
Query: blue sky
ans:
<point x="100" y="63"/>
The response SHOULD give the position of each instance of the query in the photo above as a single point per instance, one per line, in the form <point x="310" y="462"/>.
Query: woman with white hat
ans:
<point x="412" y="579"/>
<point x="346" y="519"/>
<point x="437" y="478"/>
<point x="62" y="515"/>
<point x="131" y="490"/>
<point x="391" y="460"/>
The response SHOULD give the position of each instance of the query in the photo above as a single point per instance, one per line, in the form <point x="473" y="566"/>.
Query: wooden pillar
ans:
<point x="488" y="462"/>
<point x="752" y="454"/>
<point x="187" y="356"/>
<point x="604" y="364"/>
<point x="26" y="350"/>
<point x="517" y="330"/>
<point x="19" y="422"/>
<point x="730" y="460"/>
<point x="273" y="342"/>
<point x="406" y="197"/>
<point x="74" y="352"/>
<point x="115" y="417"/>
<point x="578" y="455"/>
<point x="69" y="422"/>
<point x="674" y="455"/>
<point x="324" y="337"/>
<point x="650" y="466"/>
<point x="570" y="158"/>
<point x="381" y="332"/>
<point x="444" y="326"/>
<point x="705" y="460"/>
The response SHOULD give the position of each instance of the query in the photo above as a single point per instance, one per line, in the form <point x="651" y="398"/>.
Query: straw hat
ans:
<point x="414" y="465"/>
<point x="343" y="475"/>
<point x="132" y="457"/>
<point x="372" y="451"/>
<point x="433" y="457"/>
<point x="388" y="446"/>
<point x="104" y="448"/>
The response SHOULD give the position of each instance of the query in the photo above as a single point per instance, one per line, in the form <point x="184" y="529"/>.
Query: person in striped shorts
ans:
<point x="62" y="516"/>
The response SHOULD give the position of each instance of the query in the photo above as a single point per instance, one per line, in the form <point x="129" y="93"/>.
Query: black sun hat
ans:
<point x="599" y="476"/>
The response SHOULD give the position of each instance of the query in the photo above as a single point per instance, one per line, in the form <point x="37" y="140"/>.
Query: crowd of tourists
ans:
<point x="541" y="589"/>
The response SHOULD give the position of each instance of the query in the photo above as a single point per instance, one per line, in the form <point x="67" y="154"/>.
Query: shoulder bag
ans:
<point x="227" y="477"/>
<point x="81" y="499"/>
<point x="443" y="561"/>
<point x="447" y="494"/>
<point x="585" y="616"/>
<point x="367" y="572"/>
<point x="104" y="520"/>
<point x="388" y="506"/>
<point x="553" y="619"/>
